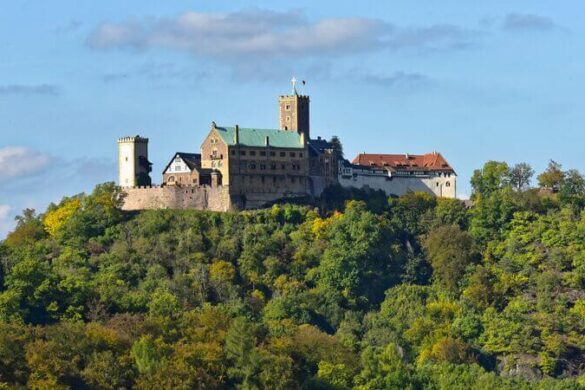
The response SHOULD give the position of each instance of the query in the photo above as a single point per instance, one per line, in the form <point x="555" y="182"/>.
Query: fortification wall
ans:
<point x="174" y="197"/>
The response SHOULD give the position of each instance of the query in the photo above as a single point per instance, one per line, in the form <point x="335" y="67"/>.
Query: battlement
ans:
<point x="294" y="96"/>
<point x="136" y="139"/>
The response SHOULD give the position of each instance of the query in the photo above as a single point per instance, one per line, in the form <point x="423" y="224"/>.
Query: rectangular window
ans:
<point x="282" y="166"/>
<point x="263" y="153"/>
<point x="272" y="154"/>
<point x="178" y="168"/>
<point x="262" y="167"/>
<point x="282" y="154"/>
<point x="252" y="153"/>
<point x="293" y="154"/>
<point x="300" y="154"/>
<point x="242" y="152"/>
<point x="273" y="166"/>
<point x="233" y="152"/>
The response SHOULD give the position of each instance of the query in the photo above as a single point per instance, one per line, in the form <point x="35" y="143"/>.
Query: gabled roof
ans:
<point x="319" y="144"/>
<point x="192" y="160"/>
<point x="401" y="162"/>
<point x="257" y="137"/>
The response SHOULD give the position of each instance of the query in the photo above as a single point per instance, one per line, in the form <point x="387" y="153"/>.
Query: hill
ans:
<point x="377" y="293"/>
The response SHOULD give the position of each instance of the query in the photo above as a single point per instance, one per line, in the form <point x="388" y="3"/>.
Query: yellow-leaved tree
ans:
<point x="57" y="217"/>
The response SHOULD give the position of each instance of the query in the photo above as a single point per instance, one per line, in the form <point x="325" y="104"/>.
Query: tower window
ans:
<point x="288" y="107"/>
<point x="126" y="158"/>
<point x="288" y="118"/>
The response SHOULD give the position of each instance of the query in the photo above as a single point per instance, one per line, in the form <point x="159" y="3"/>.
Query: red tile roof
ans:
<point x="413" y="162"/>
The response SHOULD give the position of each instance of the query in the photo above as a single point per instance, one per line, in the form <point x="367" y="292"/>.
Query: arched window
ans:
<point x="448" y="184"/>
<point x="171" y="179"/>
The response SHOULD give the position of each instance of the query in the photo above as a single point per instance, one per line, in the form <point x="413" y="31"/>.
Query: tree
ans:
<point x="336" y="146"/>
<point x="492" y="177"/>
<point x="552" y="177"/>
<point x="520" y="176"/>
<point x="572" y="190"/>
<point x="54" y="219"/>
<point x="450" y="250"/>
<point x="29" y="229"/>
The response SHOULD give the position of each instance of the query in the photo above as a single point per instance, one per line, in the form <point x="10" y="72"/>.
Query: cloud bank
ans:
<point x="528" y="22"/>
<point x="18" y="89"/>
<point x="261" y="34"/>
<point x="18" y="161"/>
<point x="6" y="222"/>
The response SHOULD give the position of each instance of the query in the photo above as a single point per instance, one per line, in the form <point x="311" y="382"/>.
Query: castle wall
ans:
<point x="174" y="197"/>
<point x="440" y="186"/>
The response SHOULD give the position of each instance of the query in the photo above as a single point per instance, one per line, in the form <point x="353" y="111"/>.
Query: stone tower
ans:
<point x="133" y="165"/>
<point x="294" y="112"/>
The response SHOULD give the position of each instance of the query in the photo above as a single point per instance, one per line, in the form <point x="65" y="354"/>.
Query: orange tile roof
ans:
<point x="414" y="162"/>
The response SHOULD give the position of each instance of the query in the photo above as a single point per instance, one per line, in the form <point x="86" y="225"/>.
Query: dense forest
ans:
<point x="356" y="290"/>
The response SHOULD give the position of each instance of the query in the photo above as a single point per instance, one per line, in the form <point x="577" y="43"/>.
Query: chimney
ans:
<point x="237" y="135"/>
<point x="267" y="141"/>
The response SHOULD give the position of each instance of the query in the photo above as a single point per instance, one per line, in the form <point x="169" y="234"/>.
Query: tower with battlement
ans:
<point x="133" y="165"/>
<point x="294" y="112"/>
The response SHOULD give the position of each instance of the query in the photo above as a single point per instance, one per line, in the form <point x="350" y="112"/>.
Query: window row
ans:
<point x="263" y="153"/>
<point x="272" y="166"/>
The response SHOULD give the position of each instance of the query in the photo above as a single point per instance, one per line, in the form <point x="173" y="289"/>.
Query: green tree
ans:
<point x="450" y="251"/>
<point x="552" y="177"/>
<point x="520" y="176"/>
<point x="492" y="177"/>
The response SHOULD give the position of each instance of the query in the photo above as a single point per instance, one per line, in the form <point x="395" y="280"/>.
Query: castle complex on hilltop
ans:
<point x="246" y="168"/>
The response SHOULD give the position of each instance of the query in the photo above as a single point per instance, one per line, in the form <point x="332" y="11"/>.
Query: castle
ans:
<point x="247" y="168"/>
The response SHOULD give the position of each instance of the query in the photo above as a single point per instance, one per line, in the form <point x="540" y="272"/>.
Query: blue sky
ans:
<point x="477" y="81"/>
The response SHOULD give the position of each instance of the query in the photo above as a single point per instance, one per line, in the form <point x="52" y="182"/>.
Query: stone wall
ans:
<point x="175" y="197"/>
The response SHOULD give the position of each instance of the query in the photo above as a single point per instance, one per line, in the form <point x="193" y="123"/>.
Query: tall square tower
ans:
<point x="133" y="165"/>
<point x="294" y="113"/>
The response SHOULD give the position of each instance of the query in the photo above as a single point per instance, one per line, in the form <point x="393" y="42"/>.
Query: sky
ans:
<point x="476" y="81"/>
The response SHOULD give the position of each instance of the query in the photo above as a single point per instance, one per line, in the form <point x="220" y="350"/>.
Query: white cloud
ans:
<point x="6" y="222"/>
<point x="19" y="161"/>
<point x="259" y="35"/>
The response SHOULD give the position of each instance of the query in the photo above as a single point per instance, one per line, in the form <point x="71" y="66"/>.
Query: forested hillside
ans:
<point x="372" y="293"/>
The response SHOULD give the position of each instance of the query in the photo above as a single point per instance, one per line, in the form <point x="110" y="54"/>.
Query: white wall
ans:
<point x="126" y="164"/>
<point x="441" y="186"/>
<point x="178" y="167"/>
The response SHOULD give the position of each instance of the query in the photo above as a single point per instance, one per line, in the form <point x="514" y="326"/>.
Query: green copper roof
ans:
<point x="257" y="137"/>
